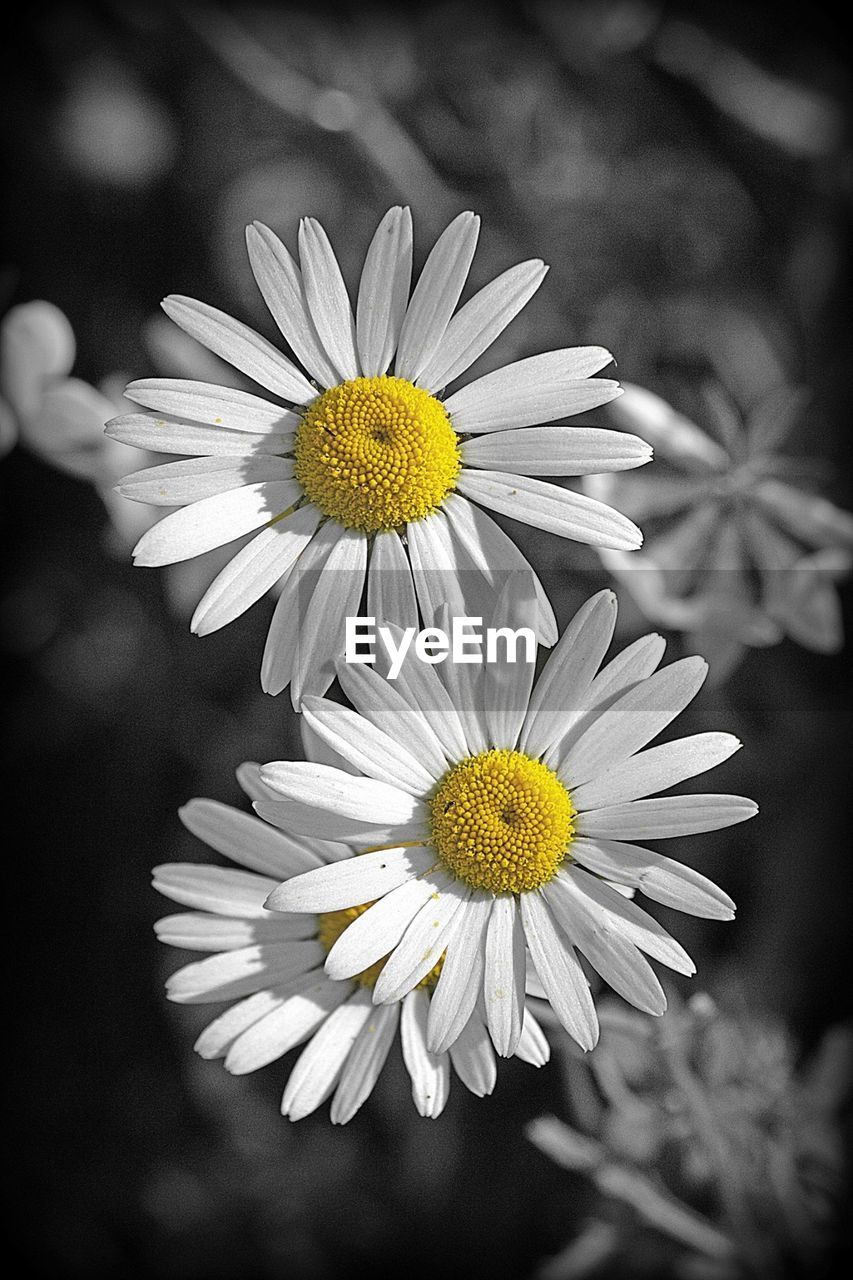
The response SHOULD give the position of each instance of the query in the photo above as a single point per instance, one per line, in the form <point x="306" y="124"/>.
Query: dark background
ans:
<point x="688" y="233"/>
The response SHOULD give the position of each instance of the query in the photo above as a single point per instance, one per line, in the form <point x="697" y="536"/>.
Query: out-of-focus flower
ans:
<point x="738" y="553"/>
<point x="364" y="455"/>
<point x="716" y="1103"/>
<point x="112" y="129"/>
<point x="491" y="816"/>
<point x="271" y="966"/>
<point x="799" y="119"/>
<point x="60" y="418"/>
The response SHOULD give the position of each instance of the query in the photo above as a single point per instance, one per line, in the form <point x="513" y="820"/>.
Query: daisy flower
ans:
<point x="270" y="966"/>
<point x="739" y="552"/>
<point x="490" y="815"/>
<point x="356" y="469"/>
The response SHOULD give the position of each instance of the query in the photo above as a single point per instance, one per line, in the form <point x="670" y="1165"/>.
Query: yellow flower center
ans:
<point x="502" y="821"/>
<point x="331" y="926"/>
<point x="376" y="453"/>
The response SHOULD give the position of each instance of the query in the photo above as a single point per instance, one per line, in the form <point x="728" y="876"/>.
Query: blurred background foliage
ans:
<point x="685" y="170"/>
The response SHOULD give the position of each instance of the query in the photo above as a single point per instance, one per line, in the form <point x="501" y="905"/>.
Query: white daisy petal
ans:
<point x="319" y="751"/>
<point x="554" y="384"/>
<point x="230" y="974"/>
<point x="429" y="1072"/>
<point x="390" y="588"/>
<point x="476" y="325"/>
<point x="383" y="703"/>
<point x="633" y="664"/>
<point x="421" y="687"/>
<point x="556" y="451"/>
<point x="248" y="775"/>
<point x="465" y="682"/>
<point x="377" y="931"/>
<point x="668" y="816"/>
<point x="383" y="291"/>
<point x="533" y="986"/>
<point x="321" y="1062"/>
<point x="423" y="943"/>
<point x="549" y="507"/>
<point x="212" y="522"/>
<point x="435" y="295"/>
<point x="280" y="282"/>
<point x="160" y="435"/>
<point x="200" y="931"/>
<point x="658" y="877"/>
<point x="220" y="1034"/>
<point x="241" y="347"/>
<point x="303" y="819"/>
<point x="370" y="749"/>
<point x="655" y="770"/>
<point x="335" y="597"/>
<point x="434" y="567"/>
<point x="632" y="721"/>
<point x="244" y="839"/>
<point x="568" y="673"/>
<point x="461" y="978"/>
<point x="603" y="903"/>
<point x="282" y="644"/>
<point x="222" y="890"/>
<point x="533" y="1047"/>
<point x="174" y="484"/>
<point x="363" y="799"/>
<point x="610" y="953"/>
<point x="473" y="1058"/>
<point x="327" y="297"/>
<point x="212" y="406"/>
<point x="364" y="1063"/>
<point x="559" y="971"/>
<point x="308" y="1003"/>
<point x="254" y="570"/>
<point x="352" y="881"/>
<point x="494" y="551"/>
<point x="503" y="984"/>
<point x="508" y="683"/>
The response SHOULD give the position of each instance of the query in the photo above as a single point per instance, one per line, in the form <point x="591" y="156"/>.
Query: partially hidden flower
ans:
<point x="270" y="966"/>
<point x="495" y="822"/>
<point x="362" y="472"/>
<point x="739" y="550"/>
<point x="60" y="418"/>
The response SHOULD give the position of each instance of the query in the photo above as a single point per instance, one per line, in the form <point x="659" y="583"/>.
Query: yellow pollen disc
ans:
<point x="331" y="926"/>
<point x="502" y="821"/>
<point x="376" y="453"/>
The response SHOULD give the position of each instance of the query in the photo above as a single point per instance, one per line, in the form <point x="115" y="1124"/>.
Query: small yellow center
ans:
<point x="502" y="821"/>
<point x="331" y="926"/>
<point x="376" y="453"/>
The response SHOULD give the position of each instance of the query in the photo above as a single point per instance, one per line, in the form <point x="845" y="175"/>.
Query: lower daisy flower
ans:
<point x="365" y="473"/>
<point x="494" y="823"/>
<point x="271" y="966"/>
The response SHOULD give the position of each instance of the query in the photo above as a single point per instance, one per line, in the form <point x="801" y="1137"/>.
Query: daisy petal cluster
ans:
<point x="270" y="967"/>
<point x="359" y="463"/>
<point x="739" y="552"/>
<point x="495" y="825"/>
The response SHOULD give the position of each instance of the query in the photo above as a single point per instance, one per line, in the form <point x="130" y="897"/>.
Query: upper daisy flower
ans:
<point x="365" y="467"/>
<point x="270" y="966"/>
<point x="492" y="818"/>
<point x="739" y="553"/>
